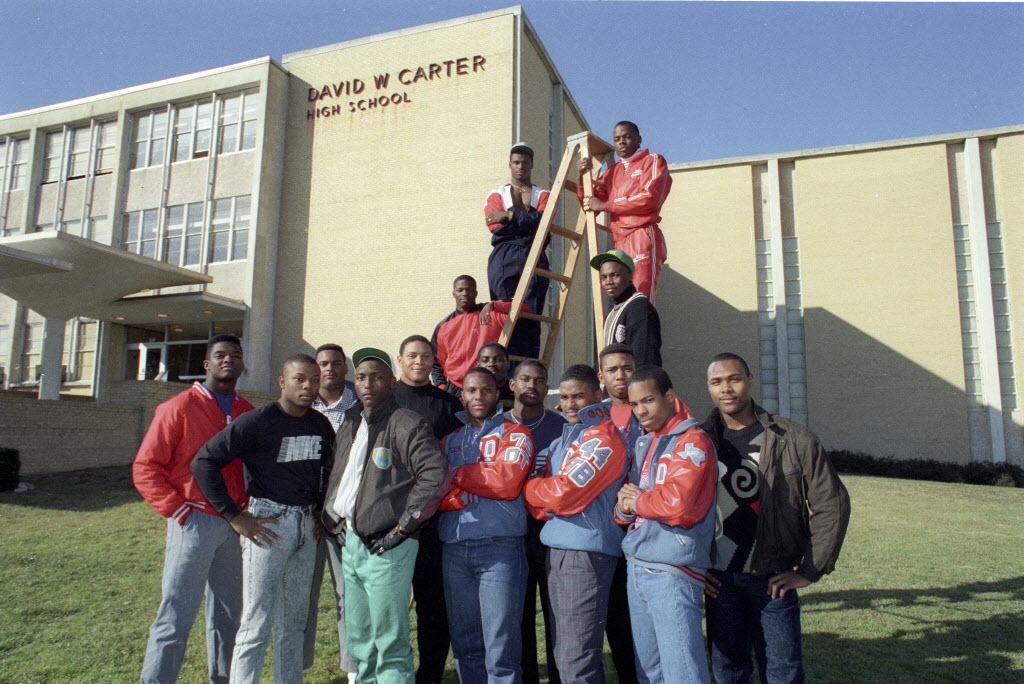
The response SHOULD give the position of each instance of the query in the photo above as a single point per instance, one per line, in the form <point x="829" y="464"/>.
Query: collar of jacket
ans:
<point x="497" y="419"/>
<point x="714" y="421"/>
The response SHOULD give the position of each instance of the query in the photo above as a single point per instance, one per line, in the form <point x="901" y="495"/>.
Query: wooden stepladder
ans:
<point x="584" y="144"/>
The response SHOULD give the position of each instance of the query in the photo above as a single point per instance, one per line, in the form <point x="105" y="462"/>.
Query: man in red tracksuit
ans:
<point x="632" y="192"/>
<point x="203" y="552"/>
<point x="460" y="335"/>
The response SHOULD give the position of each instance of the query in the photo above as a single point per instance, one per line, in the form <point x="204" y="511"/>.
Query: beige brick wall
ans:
<point x="708" y="296"/>
<point x="71" y="434"/>
<point x="391" y="212"/>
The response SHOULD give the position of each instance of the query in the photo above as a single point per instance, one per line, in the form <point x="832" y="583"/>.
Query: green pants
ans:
<point x="377" y="590"/>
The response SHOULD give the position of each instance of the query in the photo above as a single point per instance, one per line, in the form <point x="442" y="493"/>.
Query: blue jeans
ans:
<point x="484" y="584"/>
<point x="665" y="609"/>
<point x="744" y="617"/>
<point x="202" y="553"/>
<point x="275" y="590"/>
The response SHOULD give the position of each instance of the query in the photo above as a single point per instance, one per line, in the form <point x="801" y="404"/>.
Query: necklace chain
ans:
<point x="523" y="422"/>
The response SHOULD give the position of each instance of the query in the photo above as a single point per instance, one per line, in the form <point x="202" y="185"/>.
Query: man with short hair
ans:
<point x="202" y="550"/>
<point x="336" y="396"/>
<point x="767" y="463"/>
<point x="671" y="519"/>
<point x="494" y="357"/>
<point x="287" y="453"/>
<point x="586" y="467"/>
<point x="459" y="336"/>
<point x="530" y="388"/>
<point x="616" y="368"/>
<point x="389" y="478"/>
<point x="512" y="213"/>
<point x="632" y="192"/>
<point x="483" y="522"/>
<point x="413" y="391"/>
<point x="632" y="320"/>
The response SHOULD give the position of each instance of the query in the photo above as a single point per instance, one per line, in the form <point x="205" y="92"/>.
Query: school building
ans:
<point x="333" y="197"/>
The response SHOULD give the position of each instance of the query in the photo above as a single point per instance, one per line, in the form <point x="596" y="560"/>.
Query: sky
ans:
<point x="704" y="80"/>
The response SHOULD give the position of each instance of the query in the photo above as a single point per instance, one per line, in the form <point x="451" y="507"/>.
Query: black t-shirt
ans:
<point x="436" y="406"/>
<point x="287" y="458"/>
<point x="739" y="497"/>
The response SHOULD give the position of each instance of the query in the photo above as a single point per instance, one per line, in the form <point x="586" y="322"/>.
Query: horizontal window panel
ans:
<point x="798" y="375"/>
<point x="794" y="317"/>
<point x="769" y="405"/>
<point x="969" y="339"/>
<point x="767" y="347"/>
<point x="769" y="376"/>
<point x="762" y="261"/>
<point x="796" y="360"/>
<point x="794" y="302"/>
<point x="769" y="392"/>
<point x="973" y="387"/>
<point x="796" y="346"/>
<point x="766" y="318"/>
<point x="1006" y="370"/>
<point x="769" y="361"/>
<point x="1003" y="338"/>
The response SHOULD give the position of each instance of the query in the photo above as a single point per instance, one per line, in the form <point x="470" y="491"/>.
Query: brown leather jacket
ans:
<point x="805" y="509"/>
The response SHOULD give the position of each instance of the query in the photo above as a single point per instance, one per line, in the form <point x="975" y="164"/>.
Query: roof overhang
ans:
<point x="188" y="307"/>
<point x="15" y="263"/>
<point x="97" y="274"/>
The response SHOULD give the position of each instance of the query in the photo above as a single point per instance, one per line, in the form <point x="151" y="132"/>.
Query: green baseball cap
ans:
<point x="371" y="353"/>
<point x="613" y="255"/>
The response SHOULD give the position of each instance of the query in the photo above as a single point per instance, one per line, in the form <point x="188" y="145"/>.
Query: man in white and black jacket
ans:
<point x="389" y="479"/>
<point x="633" y="320"/>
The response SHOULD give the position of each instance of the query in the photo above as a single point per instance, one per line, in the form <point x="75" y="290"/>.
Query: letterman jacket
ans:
<point x="403" y="478"/>
<point x="162" y="468"/>
<point x="589" y="463"/>
<point x="491" y="466"/>
<point x="634" y="194"/>
<point x="674" y="522"/>
<point x="804" y="508"/>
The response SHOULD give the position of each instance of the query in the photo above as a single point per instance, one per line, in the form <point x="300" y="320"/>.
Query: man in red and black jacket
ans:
<point x="512" y="213"/>
<point x="461" y="334"/>
<point x="203" y="553"/>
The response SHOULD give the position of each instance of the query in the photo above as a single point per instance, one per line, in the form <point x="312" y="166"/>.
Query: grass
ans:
<point x="929" y="586"/>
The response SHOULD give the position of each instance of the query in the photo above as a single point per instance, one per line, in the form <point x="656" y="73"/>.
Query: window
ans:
<point x="13" y="163"/>
<point x="229" y="229"/>
<point x="78" y="151"/>
<point x="183" y="234"/>
<point x="105" y="157"/>
<point x="139" y="232"/>
<point x="31" y="351"/>
<point x="149" y="139"/>
<point x="174" y="353"/>
<point x="181" y="237"/>
<point x="238" y="116"/>
<point x="53" y="152"/>
<point x="79" y="349"/>
<point x="192" y="125"/>
<point x="5" y="350"/>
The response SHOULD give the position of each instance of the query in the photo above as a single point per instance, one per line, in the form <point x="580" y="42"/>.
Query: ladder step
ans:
<point x="538" y="317"/>
<point x="571" y="186"/>
<point x="564" y="232"/>
<point x="544" y="273"/>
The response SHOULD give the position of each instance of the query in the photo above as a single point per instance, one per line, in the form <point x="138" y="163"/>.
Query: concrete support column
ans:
<point x="50" y="358"/>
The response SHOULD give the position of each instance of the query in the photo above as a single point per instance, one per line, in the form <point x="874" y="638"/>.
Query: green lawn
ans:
<point x="929" y="587"/>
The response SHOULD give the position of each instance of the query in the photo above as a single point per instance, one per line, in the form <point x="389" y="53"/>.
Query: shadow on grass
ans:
<point x="950" y="634"/>
<point x="93" y="489"/>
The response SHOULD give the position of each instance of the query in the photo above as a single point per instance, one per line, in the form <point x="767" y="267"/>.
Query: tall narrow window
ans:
<point x="238" y="115"/>
<point x="139" y="232"/>
<point x="192" y="126"/>
<point x="105" y="154"/>
<point x="149" y="139"/>
<point x="78" y="151"/>
<point x="183" y="234"/>
<point x="19" y="164"/>
<point x="53" y="152"/>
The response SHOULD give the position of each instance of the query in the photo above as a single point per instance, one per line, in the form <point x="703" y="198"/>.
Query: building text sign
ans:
<point x="387" y="90"/>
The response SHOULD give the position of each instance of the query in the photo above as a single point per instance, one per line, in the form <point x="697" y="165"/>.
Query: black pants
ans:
<point x="432" y="638"/>
<point x="537" y="578"/>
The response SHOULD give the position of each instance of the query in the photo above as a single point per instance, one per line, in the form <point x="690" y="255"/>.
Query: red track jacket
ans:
<point x="634" y="195"/>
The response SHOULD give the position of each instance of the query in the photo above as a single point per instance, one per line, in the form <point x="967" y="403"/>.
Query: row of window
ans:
<point x="188" y="236"/>
<point x="190" y="125"/>
<point x="66" y="152"/>
<point x="79" y="357"/>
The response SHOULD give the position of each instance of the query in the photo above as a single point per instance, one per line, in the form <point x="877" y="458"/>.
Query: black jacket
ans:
<point x="404" y="477"/>
<point x="634" y="321"/>
<point x="805" y="509"/>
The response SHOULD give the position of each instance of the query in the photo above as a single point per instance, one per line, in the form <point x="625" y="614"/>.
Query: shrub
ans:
<point x="983" y="473"/>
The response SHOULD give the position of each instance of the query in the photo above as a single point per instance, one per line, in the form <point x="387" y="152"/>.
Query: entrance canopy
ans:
<point x="190" y="307"/>
<point x="62" y="276"/>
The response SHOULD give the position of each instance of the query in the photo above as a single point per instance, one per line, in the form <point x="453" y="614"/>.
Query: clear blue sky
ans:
<point x="703" y="80"/>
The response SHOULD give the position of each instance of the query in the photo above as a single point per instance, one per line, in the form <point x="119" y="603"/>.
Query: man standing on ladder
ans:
<point x="512" y="213"/>
<point x="632" y="192"/>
